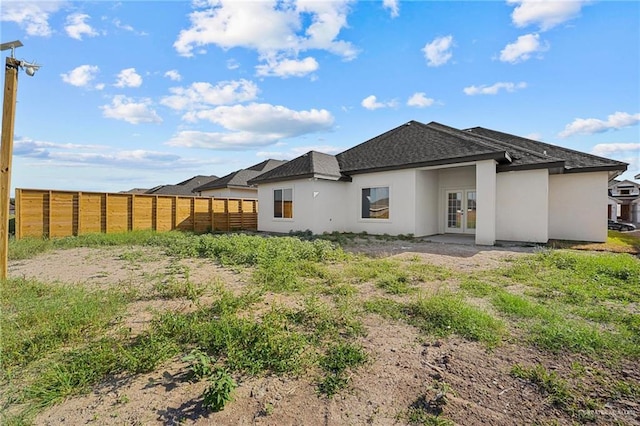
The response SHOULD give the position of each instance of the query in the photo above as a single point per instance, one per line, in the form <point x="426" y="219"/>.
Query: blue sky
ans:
<point x="143" y="93"/>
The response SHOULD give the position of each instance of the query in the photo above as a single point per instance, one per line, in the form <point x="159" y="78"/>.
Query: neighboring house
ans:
<point x="12" y="207"/>
<point x="626" y="195"/>
<point x="426" y="179"/>
<point x="183" y="188"/>
<point x="136" y="191"/>
<point x="234" y="185"/>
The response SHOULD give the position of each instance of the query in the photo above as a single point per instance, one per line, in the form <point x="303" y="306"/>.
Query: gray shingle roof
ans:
<point x="183" y="188"/>
<point x="574" y="161"/>
<point x="240" y="178"/>
<point x="311" y="164"/>
<point x="415" y="144"/>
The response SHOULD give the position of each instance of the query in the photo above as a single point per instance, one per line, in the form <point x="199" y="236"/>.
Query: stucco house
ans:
<point x="234" y="185"/>
<point x="427" y="179"/>
<point x="624" y="201"/>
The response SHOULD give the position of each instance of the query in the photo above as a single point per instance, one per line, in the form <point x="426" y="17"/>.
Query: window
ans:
<point x="283" y="203"/>
<point x="375" y="203"/>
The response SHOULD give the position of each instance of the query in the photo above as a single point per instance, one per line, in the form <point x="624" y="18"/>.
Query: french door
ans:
<point x="460" y="211"/>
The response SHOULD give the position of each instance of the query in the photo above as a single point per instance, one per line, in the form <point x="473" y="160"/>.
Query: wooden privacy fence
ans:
<point x="53" y="213"/>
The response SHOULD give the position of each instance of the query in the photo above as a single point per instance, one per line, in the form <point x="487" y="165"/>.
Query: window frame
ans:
<point x="362" y="206"/>
<point x="283" y="209"/>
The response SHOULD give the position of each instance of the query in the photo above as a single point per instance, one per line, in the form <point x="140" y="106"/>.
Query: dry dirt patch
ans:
<point x="403" y="371"/>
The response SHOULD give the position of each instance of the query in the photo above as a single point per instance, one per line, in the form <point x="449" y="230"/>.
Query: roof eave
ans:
<point x="341" y="178"/>
<point x="555" y="166"/>
<point x="500" y="157"/>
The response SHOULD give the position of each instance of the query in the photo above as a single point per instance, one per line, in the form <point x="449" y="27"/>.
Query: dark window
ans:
<point x="283" y="203"/>
<point x="375" y="203"/>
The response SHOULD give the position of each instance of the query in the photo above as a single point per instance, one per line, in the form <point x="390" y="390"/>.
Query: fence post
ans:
<point x="211" y="215"/>
<point x="78" y="209"/>
<point x="18" y="212"/>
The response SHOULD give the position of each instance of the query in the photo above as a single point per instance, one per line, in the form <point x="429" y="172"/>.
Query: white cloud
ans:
<point x="420" y="100"/>
<point x="31" y="16"/>
<point x="609" y="149"/>
<point x="285" y="29"/>
<point x="589" y="126"/>
<point x="522" y="48"/>
<point x="288" y="67"/>
<point x="494" y="89"/>
<point x="438" y="51"/>
<point x="371" y="103"/>
<point x="200" y="94"/>
<point x="128" y="78"/>
<point x="545" y="13"/>
<point x="81" y="76"/>
<point x="127" y="109"/>
<point x="252" y="126"/>
<point x="267" y="119"/>
<point x="26" y="147"/>
<point x="80" y="155"/>
<point x="173" y="75"/>
<point x="393" y="6"/>
<point x="232" y="64"/>
<point x="126" y="27"/>
<point x="77" y="27"/>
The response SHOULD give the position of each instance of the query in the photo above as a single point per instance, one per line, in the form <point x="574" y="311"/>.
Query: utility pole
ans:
<point x="6" y="150"/>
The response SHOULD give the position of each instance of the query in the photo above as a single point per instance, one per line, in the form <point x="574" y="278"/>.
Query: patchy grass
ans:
<point x="617" y="242"/>
<point x="335" y="363"/>
<point x="60" y="340"/>
<point x="38" y="318"/>
<point x="447" y="313"/>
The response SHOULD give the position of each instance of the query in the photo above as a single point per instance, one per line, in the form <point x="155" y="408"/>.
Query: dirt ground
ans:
<point x="403" y="367"/>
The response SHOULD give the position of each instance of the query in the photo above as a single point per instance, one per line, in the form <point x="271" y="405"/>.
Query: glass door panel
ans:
<point x="471" y="211"/>
<point x="454" y="211"/>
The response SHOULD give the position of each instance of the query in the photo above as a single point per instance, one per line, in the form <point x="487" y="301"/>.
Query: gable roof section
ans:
<point x="183" y="188"/>
<point x="574" y="161"/>
<point x="415" y="144"/>
<point x="313" y="164"/>
<point x="240" y="178"/>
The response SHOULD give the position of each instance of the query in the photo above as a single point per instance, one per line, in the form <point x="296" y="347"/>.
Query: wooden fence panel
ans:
<point x="62" y="219"/>
<point x="90" y="209"/>
<point x="201" y="215"/>
<point x="164" y="213"/>
<point x="118" y="213"/>
<point x="52" y="213"/>
<point x="143" y="213"/>
<point x="184" y="215"/>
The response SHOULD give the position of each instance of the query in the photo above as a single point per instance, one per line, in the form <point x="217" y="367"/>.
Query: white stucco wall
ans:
<point x="522" y="203"/>
<point x="427" y="203"/>
<point x="578" y="206"/>
<point x="486" y="191"/>
<point x="231" y="193"/>
<point x="402" y="202"/>
<point x="318" y="205"/>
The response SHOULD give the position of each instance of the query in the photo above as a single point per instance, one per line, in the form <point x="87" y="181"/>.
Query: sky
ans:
<point x="134" y="94"/>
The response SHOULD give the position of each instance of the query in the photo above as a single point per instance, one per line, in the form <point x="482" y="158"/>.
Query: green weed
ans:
<point x="39" y="318"/>
<point x="335" y="363"/>
<point x="219" y="392"/>
<point x="386" y="308"/>
<point x="445" y="313"/>
<point x="548" y="382"/>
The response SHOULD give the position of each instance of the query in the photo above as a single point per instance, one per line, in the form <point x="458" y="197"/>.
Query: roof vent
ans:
<point x="544" y="152"/>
